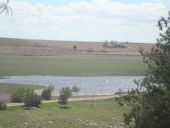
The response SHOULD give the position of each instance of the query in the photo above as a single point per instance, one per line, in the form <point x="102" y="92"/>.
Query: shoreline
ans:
<point x="72" y="99"/>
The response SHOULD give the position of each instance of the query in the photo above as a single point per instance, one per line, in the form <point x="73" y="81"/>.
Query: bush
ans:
<point x="31" y="99"/>
<point x="46" y="94"/>
<point x="113" y="44"/>
<point x="110" y="44"/>
<point x="75" y="47"/>
<point x="18" y="95"/>
<point x="75" y="89"/>
<point x="3" y="105"/>
<point x="65" y="93"/>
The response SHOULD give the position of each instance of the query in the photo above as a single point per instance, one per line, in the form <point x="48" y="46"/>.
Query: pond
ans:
<point x="100" y="85"/>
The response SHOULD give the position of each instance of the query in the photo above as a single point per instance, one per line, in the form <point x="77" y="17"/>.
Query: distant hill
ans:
<point x="24" y="47"/>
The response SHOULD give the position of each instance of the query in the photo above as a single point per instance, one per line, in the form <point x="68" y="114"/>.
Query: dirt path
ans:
<point x="70" y="100"/>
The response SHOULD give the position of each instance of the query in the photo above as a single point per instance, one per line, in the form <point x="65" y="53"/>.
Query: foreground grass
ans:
<point x="103" y="114"/>
<point x="72" y="66"/>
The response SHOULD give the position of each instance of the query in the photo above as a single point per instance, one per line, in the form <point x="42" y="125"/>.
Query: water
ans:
<point x="100" y="85"/>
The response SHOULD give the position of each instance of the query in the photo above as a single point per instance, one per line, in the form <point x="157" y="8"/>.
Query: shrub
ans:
<point x="65" y="93"/>
<point x="75" y="89"/>
<point x="18" y="95"/>
<point x="3" y="105"/>
<point x="46" y="94"/>
<point x="110" y="44"/>
<point x="113" y="44"/>
<point x="31" y="99"/>
<point x="75" y="47"/>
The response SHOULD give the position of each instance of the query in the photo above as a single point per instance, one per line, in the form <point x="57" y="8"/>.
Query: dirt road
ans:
<point x="71" y="99"/>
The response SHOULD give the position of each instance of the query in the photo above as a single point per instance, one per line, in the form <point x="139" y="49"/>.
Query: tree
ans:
<point x="151" y="100"/>
<point x="46" y="93"/>
<point x="31" y="99"/>
<point x="3" y="105"/>
<point x="113" y="44"/>
<point x="4" y="7"/>
<point x="65" y="93"/>
<point x="75" y="89"/>
<point x="74" y="47"/>
<point x="27" y="96"/>
<point x="18" y="95"/>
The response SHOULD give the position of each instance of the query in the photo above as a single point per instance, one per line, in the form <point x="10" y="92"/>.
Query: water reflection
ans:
<point x="100" y="85"/>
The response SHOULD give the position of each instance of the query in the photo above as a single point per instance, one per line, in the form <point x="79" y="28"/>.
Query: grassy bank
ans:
<point x="103" y="114"/>
<point x="72" y="66"/>
<point x="7" y="89"/>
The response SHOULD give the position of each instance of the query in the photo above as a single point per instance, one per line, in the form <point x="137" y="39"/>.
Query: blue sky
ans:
<point x="66" y="2"/>
<point x="84" y="20"/>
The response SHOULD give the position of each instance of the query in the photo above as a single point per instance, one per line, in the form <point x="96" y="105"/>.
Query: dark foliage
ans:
<point x="151" y="100"/>
<point x="66" y="93"/>
<point x="113" y="44"/>
<point x="3" y="105"/>
<point x="47" y="93"/>
<point x="75" y="47"/>
<point x="31" y="99"/>
<point x="18" y="95"/>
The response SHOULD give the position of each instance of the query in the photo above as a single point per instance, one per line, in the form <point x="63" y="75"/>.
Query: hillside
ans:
<point x="24" y="47"/>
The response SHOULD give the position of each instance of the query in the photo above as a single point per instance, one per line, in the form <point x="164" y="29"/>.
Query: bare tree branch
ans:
<point x="4" y="7"/>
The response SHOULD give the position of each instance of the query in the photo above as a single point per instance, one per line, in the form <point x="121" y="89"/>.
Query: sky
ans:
<point x="84" y="20"/>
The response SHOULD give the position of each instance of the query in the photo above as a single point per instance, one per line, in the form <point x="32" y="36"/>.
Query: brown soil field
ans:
<point x="28" y="47"/>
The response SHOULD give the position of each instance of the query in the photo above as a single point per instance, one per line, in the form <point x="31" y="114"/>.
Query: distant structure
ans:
<point x="113" y="44"/>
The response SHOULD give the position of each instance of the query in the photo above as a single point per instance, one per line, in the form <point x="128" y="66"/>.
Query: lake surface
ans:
<point x="100" y="85"/>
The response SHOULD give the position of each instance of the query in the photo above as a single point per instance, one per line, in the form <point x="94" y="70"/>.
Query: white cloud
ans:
<point x="96" y="20"/>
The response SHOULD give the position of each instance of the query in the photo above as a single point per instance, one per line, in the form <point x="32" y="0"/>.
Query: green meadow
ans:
<point x="83" y="114"/>
<point x="72" y="65"/>
<point x="10" y="88"/>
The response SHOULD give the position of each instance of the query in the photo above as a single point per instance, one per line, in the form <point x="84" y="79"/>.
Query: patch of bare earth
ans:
<point x="23" y="47"/>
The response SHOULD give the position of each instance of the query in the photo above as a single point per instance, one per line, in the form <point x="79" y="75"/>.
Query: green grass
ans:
<point x="9" y="88"/>
<point x="104" y="114"/>
<point x="72" y="66"/>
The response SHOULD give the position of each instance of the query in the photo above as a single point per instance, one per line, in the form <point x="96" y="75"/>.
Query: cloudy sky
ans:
<point x="84" y="20"/>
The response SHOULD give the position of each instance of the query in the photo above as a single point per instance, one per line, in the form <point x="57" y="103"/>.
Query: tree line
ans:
<point x="31" y="99"/>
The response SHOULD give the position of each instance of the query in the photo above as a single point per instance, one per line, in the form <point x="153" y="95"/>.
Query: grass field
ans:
<point x="7" y="89"/>
<point x="72" y="65"/>
<point x="103" y="114"/>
